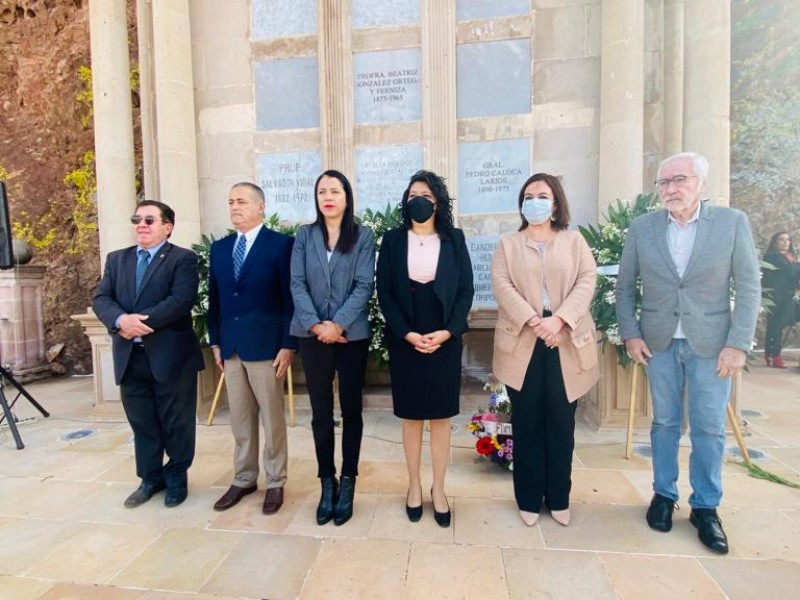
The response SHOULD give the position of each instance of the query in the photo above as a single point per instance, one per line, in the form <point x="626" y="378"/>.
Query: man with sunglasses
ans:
<point x="688" y="336"/>
<point x="145" y="299"/>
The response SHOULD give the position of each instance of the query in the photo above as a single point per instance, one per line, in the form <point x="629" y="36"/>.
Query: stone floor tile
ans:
<point x="248" y="515"/>
<point x="754" y="579"/>
<point x="794" y="515"/>
<point x="535" y="574"/>
<point x="265" y="566"/>
<point x="105" y="440"/>
<point x="107" y="507"/>
<point x="606" y="528"/>
<point x="24" y="542"/>
<point x="789" y="456"/>
<point x="348" y="569"/>
<point x="96" y="555"/>
<point x="77" y="591"/>
<point x="481" y="480"/>
<point x="22" y="588"/>
<point x="659" y="577"/>
<point x="604" y="486"/>
<point x="761" y="533"/>
<point x="181" y="560"/>
<point x="743" y="490"/>
<point x="493" y="522"/>
<point x="305" y="523"/>
<point x="391" y="522"/>
<point x="445" y="571"/>
<point x="47" y="498"/>
<point x="383" y="477"/>
<point x="611" y="456"/>
<point x="122" y="472"/>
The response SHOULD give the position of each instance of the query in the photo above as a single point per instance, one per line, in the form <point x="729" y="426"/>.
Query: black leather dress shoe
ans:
<point x="344" y="505"/>
<point x="175" y="496"/>
<point x="709" y="529"/>
<point x="659" y="515"/>
<point x="327" y="499"/>
<point x="232" y="496"/>
<point x="143" y="494"/>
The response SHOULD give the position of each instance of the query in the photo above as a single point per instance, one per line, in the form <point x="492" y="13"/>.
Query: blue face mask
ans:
<point x="537" y="210"/>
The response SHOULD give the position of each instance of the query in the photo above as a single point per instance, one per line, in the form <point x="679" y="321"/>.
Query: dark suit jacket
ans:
<point x="250" y="317"/>
<point x="167" y="295"/>
<point x="337" y="290"/>
<point x="452" y="284"/>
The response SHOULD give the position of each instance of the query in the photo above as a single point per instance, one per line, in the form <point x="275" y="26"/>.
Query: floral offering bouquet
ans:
<point x="492" y="427"/>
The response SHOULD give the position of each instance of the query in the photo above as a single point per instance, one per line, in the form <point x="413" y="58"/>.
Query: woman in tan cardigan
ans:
<point x="544" y="346"/>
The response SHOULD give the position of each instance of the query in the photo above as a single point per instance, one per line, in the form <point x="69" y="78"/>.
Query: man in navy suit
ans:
<point x="145" y="299"/>
<point x="249" y="312"/>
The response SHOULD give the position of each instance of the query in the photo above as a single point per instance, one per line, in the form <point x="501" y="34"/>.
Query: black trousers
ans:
<point x="543" y="423"/>
<point x="320" y="362"/>
<point x="162" y="416"/>
<point x="781" y="316"/>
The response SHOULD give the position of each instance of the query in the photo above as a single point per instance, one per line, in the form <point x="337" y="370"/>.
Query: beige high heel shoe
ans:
<point x="529" y="518"/>
<point x="561" y="516"/>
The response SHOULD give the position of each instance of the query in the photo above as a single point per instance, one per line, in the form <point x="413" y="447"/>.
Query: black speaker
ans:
<point x="6" y="250"/>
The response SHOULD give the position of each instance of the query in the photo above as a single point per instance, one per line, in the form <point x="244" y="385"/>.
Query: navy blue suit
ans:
<point x="249" y="318"/>
<point x="158" y="377"/>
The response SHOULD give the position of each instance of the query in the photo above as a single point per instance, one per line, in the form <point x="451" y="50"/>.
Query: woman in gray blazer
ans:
<point x="333" y="268"/>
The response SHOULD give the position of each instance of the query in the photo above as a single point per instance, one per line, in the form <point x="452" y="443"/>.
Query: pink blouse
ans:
<point x="423" y="256"/>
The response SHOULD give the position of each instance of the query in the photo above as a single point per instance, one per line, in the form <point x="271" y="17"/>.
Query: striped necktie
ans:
<point x="141" y="267"/>
<point x="238" y="255"/>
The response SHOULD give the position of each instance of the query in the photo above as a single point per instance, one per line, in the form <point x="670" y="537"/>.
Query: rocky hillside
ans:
<point x="45" y="133"/>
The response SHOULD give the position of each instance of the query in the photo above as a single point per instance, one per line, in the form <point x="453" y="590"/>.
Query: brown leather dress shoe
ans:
<point x="273" y="501"/>
<point x="232" y="496"/>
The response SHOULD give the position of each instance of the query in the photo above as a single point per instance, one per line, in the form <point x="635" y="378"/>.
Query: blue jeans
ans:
<point x="669" y="371"/>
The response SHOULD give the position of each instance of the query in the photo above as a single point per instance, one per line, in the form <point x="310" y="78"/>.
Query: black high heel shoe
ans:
<point x="327" y="500"/>
<point x="414" y="513"/>
<point x="442" y="518"/>
<point x="344" y="505"/>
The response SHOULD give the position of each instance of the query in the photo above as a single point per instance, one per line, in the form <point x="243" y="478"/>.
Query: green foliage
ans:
<point x="85" y="98"/>
<point x="83" y="182"/>
<point x="607" y="242"/>
<point x="379" y="222"/>
<point x="4" y="174"/>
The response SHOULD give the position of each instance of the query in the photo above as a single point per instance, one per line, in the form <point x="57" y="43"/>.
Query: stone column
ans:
<point x="336" y="84"/>
<point x="439" y="129"/>
<point x="706" y="117"/>
<point x="113" y="123"/>
<point x="175" y="117"/>
<point x="621" y="101"/>
<point x="144" y="31"/>
<point x="673" y="77"/>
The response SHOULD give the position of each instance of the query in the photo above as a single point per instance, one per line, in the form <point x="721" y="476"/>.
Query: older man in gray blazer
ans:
<point x="688" y="334"/>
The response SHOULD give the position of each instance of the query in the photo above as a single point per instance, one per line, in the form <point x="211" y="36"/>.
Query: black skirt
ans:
<point x="425" y="386"/>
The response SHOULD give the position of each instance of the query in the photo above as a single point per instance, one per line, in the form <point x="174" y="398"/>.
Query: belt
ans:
<point x="138" y="346"/>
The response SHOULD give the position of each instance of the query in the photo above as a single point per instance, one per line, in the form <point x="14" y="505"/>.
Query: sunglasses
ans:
<point x="149" y="219"/>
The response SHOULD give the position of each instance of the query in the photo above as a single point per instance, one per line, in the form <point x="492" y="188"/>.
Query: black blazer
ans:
<point x="167" y="295"/>
<point x="452" y="284"/>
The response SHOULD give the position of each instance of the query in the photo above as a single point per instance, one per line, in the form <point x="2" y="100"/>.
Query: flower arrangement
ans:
<point x="492" y="427"/>
<point x="379" y="222"/>
<point x="606" y="243"/>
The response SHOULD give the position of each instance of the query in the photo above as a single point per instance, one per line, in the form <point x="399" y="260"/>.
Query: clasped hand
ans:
<point x="329" y="332"/>
<point x="548" y="329"/>
<point x="429" y="342"/>
<point x="132" y="326"/>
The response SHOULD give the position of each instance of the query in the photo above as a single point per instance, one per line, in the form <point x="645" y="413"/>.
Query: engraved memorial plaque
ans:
<point x="287" y="93"/>
<point x="490" y="9"/>
<point x="388" y="86"/>
<point x="493" y="78"/>
<point x="384" y="13"/>
<point x="490" y="175"/>
<point x="382" y="174"/>
<point x="481" y="251"/>
<point x="272" y="19"/>
<point x="288" y="183"/>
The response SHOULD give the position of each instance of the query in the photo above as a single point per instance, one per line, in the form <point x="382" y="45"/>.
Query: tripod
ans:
<point x="7" y="415"/>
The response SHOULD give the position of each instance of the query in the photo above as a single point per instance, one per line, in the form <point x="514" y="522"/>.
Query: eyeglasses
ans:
<point x="149" y="219"/>
<point x="678" y="180"/>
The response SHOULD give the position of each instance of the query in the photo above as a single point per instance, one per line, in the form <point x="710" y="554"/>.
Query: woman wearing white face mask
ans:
<point x="545" y="351"/>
